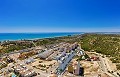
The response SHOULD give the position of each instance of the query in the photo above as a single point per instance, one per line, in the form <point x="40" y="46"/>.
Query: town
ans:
<point x="55" y="60"/>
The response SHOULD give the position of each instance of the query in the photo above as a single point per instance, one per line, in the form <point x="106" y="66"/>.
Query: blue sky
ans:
<point x="59" y="15"/>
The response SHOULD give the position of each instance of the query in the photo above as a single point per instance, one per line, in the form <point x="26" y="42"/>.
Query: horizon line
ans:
<point x="63" y="32"/>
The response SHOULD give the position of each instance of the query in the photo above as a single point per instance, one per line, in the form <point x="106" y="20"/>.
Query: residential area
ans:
<point x="56" y="60"/>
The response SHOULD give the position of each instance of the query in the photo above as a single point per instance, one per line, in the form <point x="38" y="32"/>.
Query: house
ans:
<point x="94" y="58"/>
<point x="23" y="71"/>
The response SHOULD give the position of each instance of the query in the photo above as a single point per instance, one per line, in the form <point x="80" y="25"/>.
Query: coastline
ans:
<point x="27" y="45"/>
<point x="27" y="41"/>
<point x="34" y="36"/>
<point x="43" y="35"/>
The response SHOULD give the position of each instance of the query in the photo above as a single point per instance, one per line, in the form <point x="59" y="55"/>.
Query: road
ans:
<point x="104" y="67"/>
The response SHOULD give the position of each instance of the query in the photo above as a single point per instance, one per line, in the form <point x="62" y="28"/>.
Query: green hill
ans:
<point x="107" y="44"/>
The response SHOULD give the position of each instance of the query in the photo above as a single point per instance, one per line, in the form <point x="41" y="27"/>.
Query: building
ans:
<point x="61" y="49"/>
<point x="76" y="69"/>
<point x="45" y="54"/>
<point x="70" y="68"/>
<point x="65" y="60"/>
<point x="61" y="55"/>
<point x="81" y="52"/>
<point x="30" y="60"/>
<point x="23" y="71"/>
<point x="3" y="64"/>
<point x="94" y="58"/>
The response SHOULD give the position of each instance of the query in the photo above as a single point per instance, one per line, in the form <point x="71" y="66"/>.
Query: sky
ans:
<point x="59" y="16"/>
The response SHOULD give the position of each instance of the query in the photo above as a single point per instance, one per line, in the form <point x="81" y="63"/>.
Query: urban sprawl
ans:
<point x="55" y="60"/>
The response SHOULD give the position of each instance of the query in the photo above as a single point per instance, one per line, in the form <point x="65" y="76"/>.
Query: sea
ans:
<point x="32" y="36"/>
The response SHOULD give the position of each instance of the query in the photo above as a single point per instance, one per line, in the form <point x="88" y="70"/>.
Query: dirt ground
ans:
<point x="1" y="47"/>
<point x="43" y="65"/>
<point x="111" y="66"/>
<point x="43" y="62"/>
<point x="96" y="75"/>
<point x="90" y="67"/>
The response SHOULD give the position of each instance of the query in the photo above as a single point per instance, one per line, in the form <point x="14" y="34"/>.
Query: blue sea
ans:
<point x="30" y="36"/>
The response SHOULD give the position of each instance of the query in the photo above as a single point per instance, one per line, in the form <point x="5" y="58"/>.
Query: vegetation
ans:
<point x="118" y="66"/>
<point x="107" y="44"/>
<point x="3" y="65"/>
<point x="25" y="55"/>
<point x="42" y="65"/>
<point x="48" y="41"/>
<point x="82" y="57"/>
<point x="10" y="46"/>
<point x="5" y="61"/>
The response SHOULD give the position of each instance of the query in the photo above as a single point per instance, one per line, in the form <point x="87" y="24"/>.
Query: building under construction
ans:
<point x="76" y="69"/>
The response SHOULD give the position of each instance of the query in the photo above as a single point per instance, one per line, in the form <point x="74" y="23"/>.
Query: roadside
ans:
<point x="106" y="65"/>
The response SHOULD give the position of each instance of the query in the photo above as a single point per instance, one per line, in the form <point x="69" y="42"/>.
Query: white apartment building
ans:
<point x="65" y="60"/>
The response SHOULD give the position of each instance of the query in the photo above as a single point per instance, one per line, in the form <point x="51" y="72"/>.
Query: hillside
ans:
<point x="107" y="44"/>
